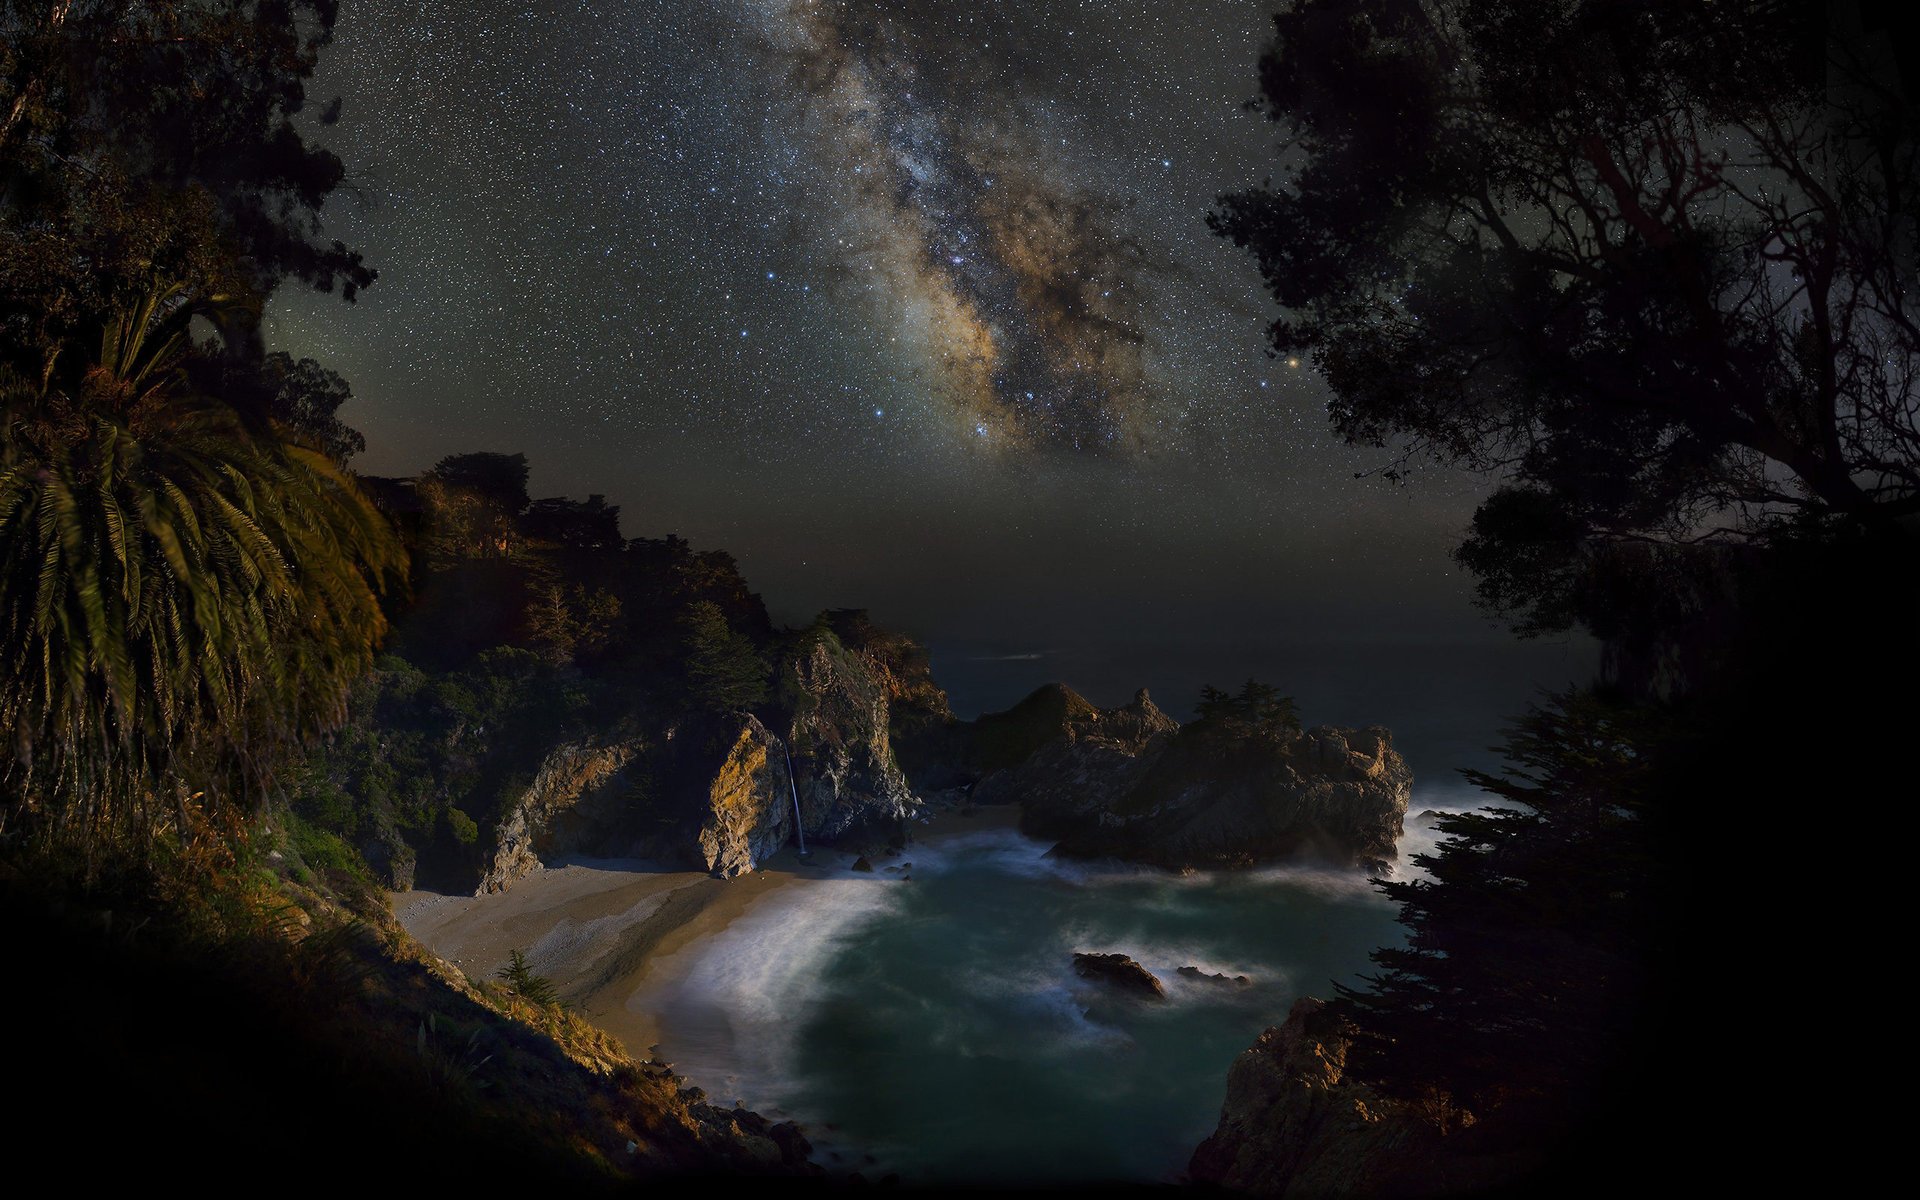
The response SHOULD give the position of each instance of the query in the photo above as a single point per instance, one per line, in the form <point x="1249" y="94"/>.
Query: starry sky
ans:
<point x="910" y="304"/>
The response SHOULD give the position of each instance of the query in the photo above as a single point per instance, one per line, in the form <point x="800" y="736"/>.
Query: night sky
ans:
<point x="911" y="306"/>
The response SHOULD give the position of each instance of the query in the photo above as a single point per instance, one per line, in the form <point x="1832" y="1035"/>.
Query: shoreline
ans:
<point x="599" y="927"/>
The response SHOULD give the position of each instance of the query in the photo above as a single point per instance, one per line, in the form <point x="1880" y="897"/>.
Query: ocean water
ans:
<point x="933" y="1026"/>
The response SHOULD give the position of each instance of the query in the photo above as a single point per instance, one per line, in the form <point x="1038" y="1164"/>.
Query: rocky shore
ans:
<point x="861" y="742"/>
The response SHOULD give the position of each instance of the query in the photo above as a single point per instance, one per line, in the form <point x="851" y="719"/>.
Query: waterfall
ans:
<point x="795" y="789"/>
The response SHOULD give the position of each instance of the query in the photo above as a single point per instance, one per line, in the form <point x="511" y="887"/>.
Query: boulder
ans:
<point x="1120" y="972"/>
<point x="1197" y="973"/>
<point x="851" y="787"/>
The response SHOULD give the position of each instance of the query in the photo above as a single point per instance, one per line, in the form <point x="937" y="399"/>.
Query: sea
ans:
<point x="925" y="1020"/>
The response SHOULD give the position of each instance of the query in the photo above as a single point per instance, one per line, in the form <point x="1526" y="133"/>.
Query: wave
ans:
<point x="729" y="1004"/>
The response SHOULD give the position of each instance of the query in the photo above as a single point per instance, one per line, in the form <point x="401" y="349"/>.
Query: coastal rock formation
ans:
<point x="710" y="792"/>
<point x="746" y="812"/>
<point x="1120" y="972"/>
<point x="1216" y="977"/>
<point x="1292" y="1125"/>
<point x="841" y="699"/>
<point x="1296" y="1124"/>
<point x="1130" y="783"/>
<point x="571" y="773"/>
<point x="1057" y="752"/>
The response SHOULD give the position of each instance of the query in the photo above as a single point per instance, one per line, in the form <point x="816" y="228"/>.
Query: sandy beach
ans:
<point x="597" y="927"/>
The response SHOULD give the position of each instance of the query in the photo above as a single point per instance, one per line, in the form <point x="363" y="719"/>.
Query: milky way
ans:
<point x="1011" y="277"/>
<point x="698" y="255"/>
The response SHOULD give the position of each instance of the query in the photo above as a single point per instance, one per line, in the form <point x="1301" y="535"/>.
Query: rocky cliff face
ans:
<point x="851" y="786"/>
<point x="1292" y="1125"/>
<point x="746" y="812"/>
<point x="570" y="774"/>
<point x="1296" y="1124"/>
<point x="1131" y="783"/>
<point x="713" y="791"/>
<point x="709" y="793"/>
<point x="1060" y="756"/>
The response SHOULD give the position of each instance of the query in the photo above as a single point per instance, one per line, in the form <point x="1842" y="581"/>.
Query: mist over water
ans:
<point x="933" y="1025"/>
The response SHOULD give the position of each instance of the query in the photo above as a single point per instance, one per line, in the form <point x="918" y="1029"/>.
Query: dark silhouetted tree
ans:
<point x="307" y="403"/>
<point x="191" y="579"/>
<point x="724" y="669"/>
<point x="154" y="139"/>
<point x="1256" y="708"/>
<point x="591" y="524"/>
<point x="1639" y="260"/>
<point x="1523" y="969"/>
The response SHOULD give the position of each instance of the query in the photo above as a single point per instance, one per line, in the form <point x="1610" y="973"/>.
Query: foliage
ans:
<point x="500" y="479"/>
<point x="306" y="405"/>
<point x="187" y="598"/>
<point x="429" y="760"/>
<point x="157" y="139"/>
<point x="1528" y="944"/>
<point x="464" y="522"/>
<point x="566" y="622"/>
<point x="525" y="984"/>
<point x="1639" y="260"/>
<point x="591" y="524"/>
<point x="502" y="656"/>
<point x="724" y="669"/>
<point x="1257" y="708"/>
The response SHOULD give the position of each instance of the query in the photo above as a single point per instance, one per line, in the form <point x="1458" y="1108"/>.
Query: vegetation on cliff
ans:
<point x="1650" y="268"/>
<point x="191" y="580"/>
<point x="194" y="587"/>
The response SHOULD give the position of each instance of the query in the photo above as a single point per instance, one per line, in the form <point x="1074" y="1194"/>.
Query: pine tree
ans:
<point x="724" y="669"/>
<point x="520" y="977"/>
<point x="1528" y="943"/>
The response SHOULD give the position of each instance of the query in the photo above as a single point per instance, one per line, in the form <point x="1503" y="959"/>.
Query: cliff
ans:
<point x="713" y="792"/>
<point x="841" y="701"/>
<point x="294" y="1020"/>
<point x="707" y="792"/>
<point x="1295" y="1124"/>
<point x="1131" y="783"/>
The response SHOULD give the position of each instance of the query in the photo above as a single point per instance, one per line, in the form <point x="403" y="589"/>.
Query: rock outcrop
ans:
<point x="713" y="791"/>
<point x="746" y="812"/>
<point x="1296" y="1124"/>
<point x="571" y="773"/>
<point x="1057" y="752"/>
<point x="1216" y="977"/>
<point x="851" y="787"/>
<point x="1120" y="972"/>
<point x="1130" y="783"/>
<point x="1293" y="1125"/>
<point x="710" y="793"/>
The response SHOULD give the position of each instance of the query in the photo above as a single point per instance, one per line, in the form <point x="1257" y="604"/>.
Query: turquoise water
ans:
<point x="933" y="1027"/>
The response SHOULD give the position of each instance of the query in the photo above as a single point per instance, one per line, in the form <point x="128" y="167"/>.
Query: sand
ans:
<point x="597" y="927"/>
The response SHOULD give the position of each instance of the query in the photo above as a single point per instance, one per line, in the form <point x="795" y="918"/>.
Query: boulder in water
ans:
<point x="863" y="863"/>
<point x="1121" y="972"/>
<point x="1197" y="973"/>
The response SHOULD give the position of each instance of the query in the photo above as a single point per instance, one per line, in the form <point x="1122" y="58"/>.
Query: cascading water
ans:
<point x="795" y="789"/>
